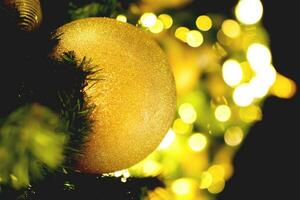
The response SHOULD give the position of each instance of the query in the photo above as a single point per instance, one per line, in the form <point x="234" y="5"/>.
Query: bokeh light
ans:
<point x="204" y="23"/>
<point x="180" y="127"/>
<point x="217" y="187"/>
<point x="258" y="56"/>
<point x="250" y="113"/>
<point x="166" y="20"/>
<point x="151" y="168"/>
<point x="194" y="38"/>
<point x="231" y="28"/>
<point x="233" y="136"/>
<point x="242" y="95"/>
<point x="232" y="72"/>
<point x="197" y="142"/>
<point x="283" y="87"/>
<point x="222" y="113"/>
<point x="187" y="113"/>
<point x="157" y="27"/>
<point x="249" y="11"/>
<point x="121" y="18"/>
<point x="205" y="180"/>
<point x="182" y="186"/>
<point x="148" y="19"/>
<point x="181" y="33"/>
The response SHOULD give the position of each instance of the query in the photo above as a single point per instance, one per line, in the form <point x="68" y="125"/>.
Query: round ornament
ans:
<point x="134" y="100"/>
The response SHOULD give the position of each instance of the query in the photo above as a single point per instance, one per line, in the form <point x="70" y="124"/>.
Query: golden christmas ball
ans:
<point x="135" y="99"/>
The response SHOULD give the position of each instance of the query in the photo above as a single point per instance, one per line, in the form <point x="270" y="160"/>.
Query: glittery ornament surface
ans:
<point x="135" y="98"/>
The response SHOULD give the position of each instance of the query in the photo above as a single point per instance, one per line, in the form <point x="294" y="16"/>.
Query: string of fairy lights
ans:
<point x="215" y="114"/>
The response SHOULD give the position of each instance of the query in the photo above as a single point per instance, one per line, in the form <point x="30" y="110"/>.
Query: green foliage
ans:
<point x="72" y="107"/>
<point x="31" y="140"/>
<point x="79" y="10"/>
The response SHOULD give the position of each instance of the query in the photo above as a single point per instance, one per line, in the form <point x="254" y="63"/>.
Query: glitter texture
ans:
<point x="135" y="99"/>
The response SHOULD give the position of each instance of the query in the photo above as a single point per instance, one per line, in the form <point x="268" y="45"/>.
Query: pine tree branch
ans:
<point x="31" y="140"/>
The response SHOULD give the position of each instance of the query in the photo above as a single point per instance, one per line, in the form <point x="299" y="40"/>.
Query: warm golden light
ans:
<point x="194" y="38"/>
<point x="122" y="18"/>
<point x="233" y="136"/>
<point x="166" y="20"/>
<point x="217" y="187"/>
<point x="217" y="172"/>
<point x="151" y="168"/>
<point x="284" y="87"/>
<point x="261" y="83"/>
<point x="187" y="113"/>
<point x="168" y="140"/>
<point x="180" y="127"/>
<point x="223" y="113"/>
<point x="181" y="33"/>
<point x="118" y="173"/>
<point x="181" y="186"/>
<point x="267" y="75"/>
<point x="148" y="19"/>
<point x="249" y="11"/>
<point x="232" y="72"/>
<point x="205" y="180"/>
<point x="197" y="142"/>
<point x="250" y="114"/>
<point x="157" y="27"/>
<point x="231" y="28"/>
<point x="204" y="23"/>
<point x="242" y="95"/>
<point x="258" y="56"/>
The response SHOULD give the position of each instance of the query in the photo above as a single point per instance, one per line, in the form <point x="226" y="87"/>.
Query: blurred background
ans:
<point x="236" y="70"/>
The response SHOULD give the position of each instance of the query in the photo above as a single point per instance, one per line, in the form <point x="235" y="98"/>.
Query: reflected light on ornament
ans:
<point x="168" y="140"/>
<point x="204" y="23"/>
<point x="249" y="11"/>
<point x="232" y="72"/>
